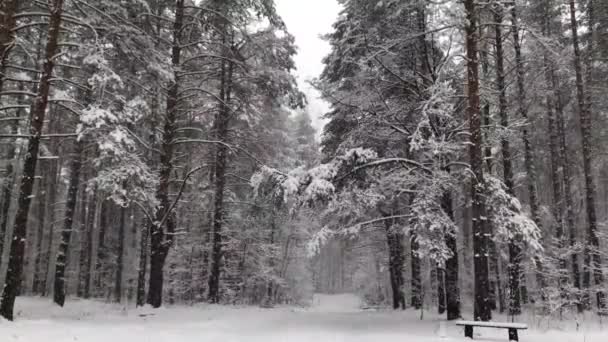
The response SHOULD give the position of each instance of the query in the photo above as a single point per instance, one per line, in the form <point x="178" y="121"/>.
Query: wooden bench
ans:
<point x="512" y="327"/>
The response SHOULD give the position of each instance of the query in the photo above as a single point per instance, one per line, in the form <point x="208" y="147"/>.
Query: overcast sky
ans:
<point x="307" y="20"/>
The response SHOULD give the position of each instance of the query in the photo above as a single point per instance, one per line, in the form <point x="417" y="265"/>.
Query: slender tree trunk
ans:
<point x="120" y="256"/>
<point x="102" y="253"/>
<point x="553" y="102"/>
<point x="496" y="294"/>
<point x="38" y="111"/>
<point x="87" y="262"/>
<point x="480" y="230"/>
<point x="529" y="156"/>
<point x="395" y="261"/>
<point x="83" y="242"/>
<point x="416" y="280"/>
<point x="161" y="241"/>
<point x="452" y="291"/>
<point x="507" y="167"/>
<point x="68" y="224"/>
<point x="440" y="278"/>
<point x="143" y="263"/>
<point x="221" y="126"/>
<point x="8" y="8"/>
<point x="592" y="255"/>
<point x="7" y="186"/>
<point x="564" y="163"/>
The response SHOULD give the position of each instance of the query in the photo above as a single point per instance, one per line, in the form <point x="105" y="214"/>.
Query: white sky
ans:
<point x="307" y="20"/>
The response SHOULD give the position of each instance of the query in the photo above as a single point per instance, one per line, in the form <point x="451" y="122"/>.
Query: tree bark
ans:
<point x="87" y="259"/>
<point x="38" y="111"/>
<point x="529" y="156"/>
<point x="68" y="224"/>
<point x="592" y="259"/>
<point x="496" y="293"/>
<point x="452" y="291"/>
<point x="553" y="102"/>
<point x="8" y="9"/>
<point x="221" y="125"/>
<point x="143" y="263"/>
<point x="120" y="256"/>
<point x="416" y="281"/>
<point x="514" y="268"/>
<point x="395" y="261"/>
<point x="161" y="241"/>
<point x="480" y="230"/>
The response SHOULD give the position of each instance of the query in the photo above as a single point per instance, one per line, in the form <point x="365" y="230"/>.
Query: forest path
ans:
<point x="346" y="302"/>
<point x="331" y="318"/>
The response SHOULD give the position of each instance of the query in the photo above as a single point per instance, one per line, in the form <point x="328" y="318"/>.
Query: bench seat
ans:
<point x="512" y="327"/>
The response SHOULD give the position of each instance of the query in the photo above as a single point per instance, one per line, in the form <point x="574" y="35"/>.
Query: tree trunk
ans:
<point x="221" y="125"/>
<point x="87" y="262"/>
<point x="38" y="111"/>
<point x="553" y="101"/>
<point x="101" y="245"/>
<point x="528" y="151"/>
<point x="395" y="262"/>
<point x="482" y="309"/>
<point x="83" y="243"/>
<point x="143" y="263"/>
<point x="7" y="186"/>
<point x="452" y="291"/>
<point x="496" y="293"/>
<point x="416" y="281"/>
<point x="120" y="256"/>
<point x="68" y="223"/>
<point x="592" y="255"/>
<point x="8" y="8"/>
<point x="514" y="267"/>
<point x="161" y="241"/>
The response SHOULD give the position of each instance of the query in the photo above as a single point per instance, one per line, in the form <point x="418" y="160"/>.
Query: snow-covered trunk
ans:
<point x="591" y="256"/>
<point x="7" y="184"/>
<point x="83" y="244"/>
<point x="86" y="254"/>
<point x="553" y="104"/>
<point x="556" y="180"/>
<point x="564" y="163"/>
<point x="8" y="9"/>
<point x="101" y="252"/>
<point x="481" y="239"/>
<point x="514" y="268"/>
<point x="221" y="126"/>
<point x="38" y="112"/>
<point x="143" y="263"/>
<point x="496" y="289"/>
<point x="68" y="224"/>
<point x="416" y="279"/>
<point x="395" y="263"/>
<point x="43" y="264"/>
<point x="160" y="240"/>
<point x="120" y="256"/>
<point x="452" y="291"/>
<point x="529" y="155"/>
<point x="7" y="36"/>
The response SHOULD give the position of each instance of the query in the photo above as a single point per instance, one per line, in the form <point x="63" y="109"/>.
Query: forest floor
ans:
<point x="331" y="318"/>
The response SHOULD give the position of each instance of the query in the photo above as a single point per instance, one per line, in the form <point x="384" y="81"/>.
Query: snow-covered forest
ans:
<point x="162" y="153"/>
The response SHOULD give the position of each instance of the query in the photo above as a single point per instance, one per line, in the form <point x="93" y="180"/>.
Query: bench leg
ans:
<point x="468" y="331"/>
<point x="513" y="335"/>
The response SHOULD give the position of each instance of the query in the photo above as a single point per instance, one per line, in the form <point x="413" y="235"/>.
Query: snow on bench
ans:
<point x="512" y="327"/>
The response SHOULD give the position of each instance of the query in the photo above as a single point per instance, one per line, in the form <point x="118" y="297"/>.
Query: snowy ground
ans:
<point x="331" y="318"/>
